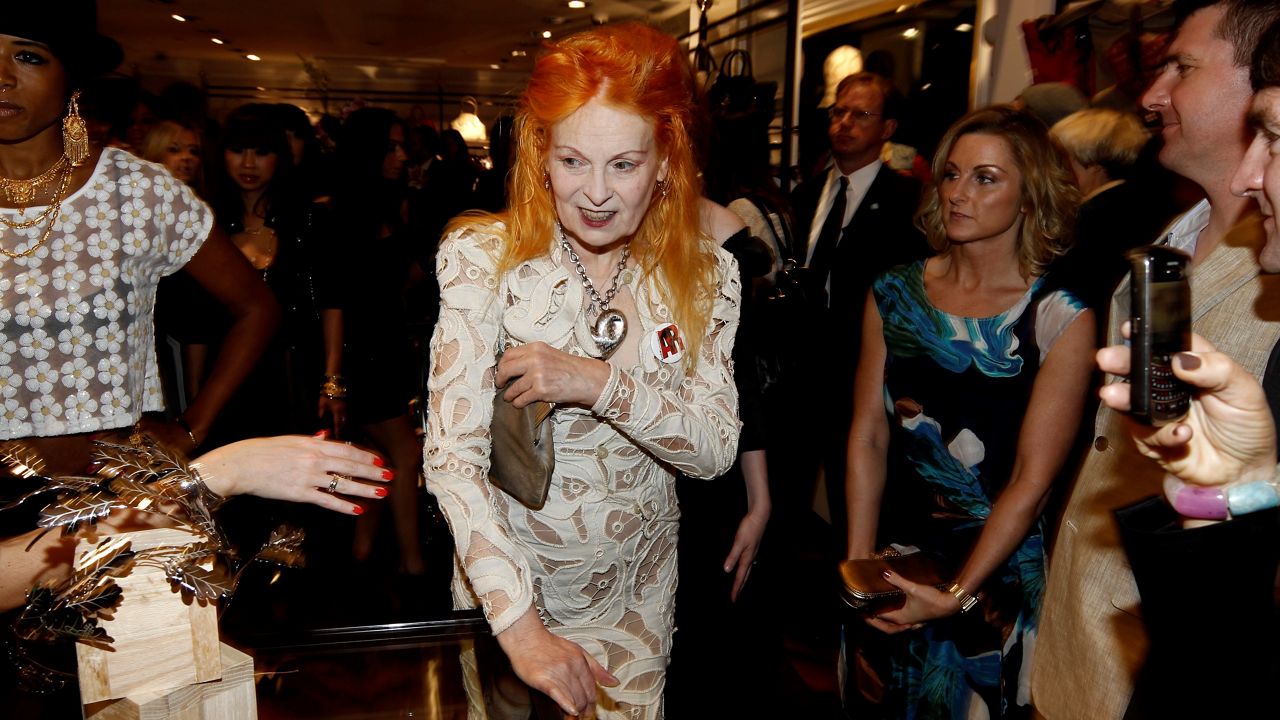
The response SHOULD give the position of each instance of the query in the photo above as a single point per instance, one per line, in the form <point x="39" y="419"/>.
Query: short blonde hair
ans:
<point x="1048" y="186"/>
<point x="1105" y="137"/>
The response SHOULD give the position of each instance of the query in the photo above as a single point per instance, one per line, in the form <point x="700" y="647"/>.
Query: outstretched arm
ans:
<point x="1048" y="429"/>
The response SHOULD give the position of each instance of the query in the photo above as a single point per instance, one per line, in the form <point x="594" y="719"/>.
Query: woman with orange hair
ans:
<point x="604" y="232"/>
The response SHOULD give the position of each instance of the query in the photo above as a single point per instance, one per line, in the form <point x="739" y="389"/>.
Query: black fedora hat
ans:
<point x="70" y="29"/>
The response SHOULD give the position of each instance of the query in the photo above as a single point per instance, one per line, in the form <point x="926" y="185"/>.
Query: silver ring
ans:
<point x="333" y="484"/>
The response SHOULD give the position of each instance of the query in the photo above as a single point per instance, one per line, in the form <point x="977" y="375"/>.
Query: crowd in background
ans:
<point x="341" y="218"/>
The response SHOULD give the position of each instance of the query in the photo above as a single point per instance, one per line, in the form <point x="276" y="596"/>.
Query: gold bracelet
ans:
<point x="333" y="388"/>
<point x="967" y="601"/>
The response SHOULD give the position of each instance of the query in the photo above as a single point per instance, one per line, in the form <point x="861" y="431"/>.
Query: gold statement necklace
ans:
<point x="24" y="192"/>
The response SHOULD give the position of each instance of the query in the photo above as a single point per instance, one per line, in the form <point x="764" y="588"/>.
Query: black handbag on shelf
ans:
<point x="735" y="94"/>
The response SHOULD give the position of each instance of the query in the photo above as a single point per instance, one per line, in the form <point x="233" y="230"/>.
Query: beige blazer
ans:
<point x="1092" y="642"/>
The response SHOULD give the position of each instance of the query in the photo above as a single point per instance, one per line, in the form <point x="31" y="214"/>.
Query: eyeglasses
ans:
<point x="862" y="117"/>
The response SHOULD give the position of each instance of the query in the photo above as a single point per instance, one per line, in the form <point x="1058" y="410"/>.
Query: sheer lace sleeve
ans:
<point x="695" y="428"/>
<point x="459" y="410"/>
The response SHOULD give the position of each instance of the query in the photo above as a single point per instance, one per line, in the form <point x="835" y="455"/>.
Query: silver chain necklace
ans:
<point x="596" y="300"/>
<point x="610" y="326"/>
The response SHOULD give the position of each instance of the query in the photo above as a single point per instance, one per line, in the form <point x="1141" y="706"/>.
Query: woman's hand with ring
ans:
<point x="296" y="468"/>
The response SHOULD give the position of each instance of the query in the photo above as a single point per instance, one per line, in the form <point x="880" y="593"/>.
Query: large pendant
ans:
<point x="608" y="332"/>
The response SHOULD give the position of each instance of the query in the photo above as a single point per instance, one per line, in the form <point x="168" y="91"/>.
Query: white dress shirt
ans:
<point x="859" y="182"/>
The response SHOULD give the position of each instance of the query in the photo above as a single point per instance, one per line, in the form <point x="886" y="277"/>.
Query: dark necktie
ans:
<point x="825" y="250"/>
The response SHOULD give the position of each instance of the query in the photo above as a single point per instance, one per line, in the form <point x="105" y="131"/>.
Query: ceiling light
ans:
<point x="179" y="18"/>
<point x="910" y="33"/>
<point x="261" y="89"/>
<point x="577" y="4"/>
<point x="494" y="66"/>
<point x="964" y="27"/>
<point x="902" y="8"/>
<point x="546" y="34"/>
<point x="252" y="57"/>
<point x="216" y="41"/>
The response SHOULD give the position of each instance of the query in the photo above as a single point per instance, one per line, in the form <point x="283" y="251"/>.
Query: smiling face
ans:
<point x="1259" y="173"/>
<point x="603" y="164"/>
<point x="182" y="156"/>
<point x="1202" y="96"/>
<point x="981" y="190"/>
<point x="35" y="85"/>
<point x="251" y="169"/>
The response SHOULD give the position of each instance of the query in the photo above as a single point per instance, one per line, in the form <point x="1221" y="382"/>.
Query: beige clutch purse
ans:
<point x="863" y="587"/>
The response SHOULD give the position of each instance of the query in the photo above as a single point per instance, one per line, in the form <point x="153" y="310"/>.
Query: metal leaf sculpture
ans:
<point x="72" y="608"/>
<point x="284" y="547"/>
<point x="71" y="510"/>
<point x="143" y="475"/>
<point x="204" y="584"/>
<point x="20" y="459"/>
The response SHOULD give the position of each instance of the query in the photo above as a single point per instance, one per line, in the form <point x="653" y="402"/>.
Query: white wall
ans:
<point x="1001" y="68"/>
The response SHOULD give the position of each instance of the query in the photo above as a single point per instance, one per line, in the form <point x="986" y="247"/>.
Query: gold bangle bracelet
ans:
<point x="967" y="601"/>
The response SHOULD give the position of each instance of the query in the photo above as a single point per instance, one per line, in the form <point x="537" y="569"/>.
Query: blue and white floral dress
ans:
<point x="956" y="390"/>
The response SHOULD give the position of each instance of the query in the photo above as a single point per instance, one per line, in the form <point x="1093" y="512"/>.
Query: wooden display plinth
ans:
<point x="162" y="641"/>
<point x="231" y="698"/>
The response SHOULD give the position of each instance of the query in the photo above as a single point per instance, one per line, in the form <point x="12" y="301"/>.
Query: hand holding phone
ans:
<point x="1160" y="326"/>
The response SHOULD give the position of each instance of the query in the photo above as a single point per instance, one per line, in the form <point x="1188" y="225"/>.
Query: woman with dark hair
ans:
<point x="370" y="220"/>
<point x="279" y="232"/>
<point x="76" y="337"/>
<point x="970" y="386"/>
<point x="86" y="233"/>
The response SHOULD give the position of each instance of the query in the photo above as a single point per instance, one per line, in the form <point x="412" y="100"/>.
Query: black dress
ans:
<point x="280" y="396"/>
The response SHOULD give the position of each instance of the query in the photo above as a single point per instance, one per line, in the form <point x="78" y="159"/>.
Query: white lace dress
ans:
<point x="598" y="561"/>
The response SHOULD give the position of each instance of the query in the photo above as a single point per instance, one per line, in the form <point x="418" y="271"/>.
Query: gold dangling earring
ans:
<point x="75" y="137"/>
<point x="546" y="181"/>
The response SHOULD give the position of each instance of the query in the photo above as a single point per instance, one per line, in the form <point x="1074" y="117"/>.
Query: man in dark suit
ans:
<point x="852" y="223"/>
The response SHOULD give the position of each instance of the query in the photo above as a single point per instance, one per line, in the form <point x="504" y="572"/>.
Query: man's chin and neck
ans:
<point x="849" y="164"/>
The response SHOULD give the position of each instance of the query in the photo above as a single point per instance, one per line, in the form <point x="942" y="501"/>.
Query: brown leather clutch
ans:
<point x="864" y="588"/>
<point x="522" y="455"/>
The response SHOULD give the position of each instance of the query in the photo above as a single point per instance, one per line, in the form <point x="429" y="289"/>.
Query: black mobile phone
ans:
<point x="1160" y="326"/>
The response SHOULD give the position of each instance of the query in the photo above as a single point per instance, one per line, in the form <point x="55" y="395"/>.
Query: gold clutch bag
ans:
<point x="863" y="587"/>
<point x="522" y="455"/>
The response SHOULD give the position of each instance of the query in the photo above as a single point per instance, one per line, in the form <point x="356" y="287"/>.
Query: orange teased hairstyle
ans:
<point x="638" y="69"/>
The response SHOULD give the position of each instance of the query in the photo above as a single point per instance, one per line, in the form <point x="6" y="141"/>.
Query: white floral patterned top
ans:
<point x="77" y="350"/>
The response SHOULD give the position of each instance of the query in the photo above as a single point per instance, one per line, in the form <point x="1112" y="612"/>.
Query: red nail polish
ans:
<point x="388" y="474"/>
<point x="357" y="510"/>
<point x="323" y="435"/>
<point x="379" y="461"/>
<point x="380" y="492"/>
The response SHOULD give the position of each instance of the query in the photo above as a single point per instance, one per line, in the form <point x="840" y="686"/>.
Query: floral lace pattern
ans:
<point x="76" y="337"/>
<point x="598" y="561"/>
